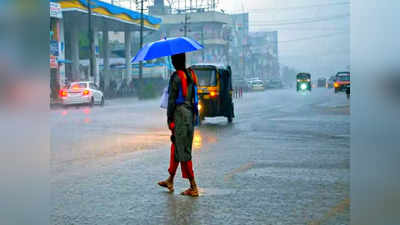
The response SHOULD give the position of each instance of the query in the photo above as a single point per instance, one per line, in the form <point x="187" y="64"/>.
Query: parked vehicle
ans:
<point x="214" y="90"/>
<point x="83" y="92"/>
<point x="257" y="85"/>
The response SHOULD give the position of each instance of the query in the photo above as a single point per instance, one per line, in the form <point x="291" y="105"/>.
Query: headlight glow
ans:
<point x="303" y="86"/>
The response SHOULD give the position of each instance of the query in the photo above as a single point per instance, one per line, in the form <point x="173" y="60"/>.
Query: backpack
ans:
<point x="183" y="92"/>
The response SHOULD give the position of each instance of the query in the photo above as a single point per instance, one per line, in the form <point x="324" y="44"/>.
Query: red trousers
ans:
<point x="186" y="167"/>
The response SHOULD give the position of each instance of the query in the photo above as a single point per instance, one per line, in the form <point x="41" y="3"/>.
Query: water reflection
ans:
<point x="202" y="138"/>
<point x="181" y="210"/>
<point x="197" y="140"/>
<point x="86" y="111"/>
<point x="87" y="120"/>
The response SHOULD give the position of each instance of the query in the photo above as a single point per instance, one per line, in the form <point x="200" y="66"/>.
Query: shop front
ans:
<point x="56" y="50"/>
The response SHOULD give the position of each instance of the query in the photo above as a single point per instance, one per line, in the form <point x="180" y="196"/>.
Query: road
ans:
<point x="284" y="160"/>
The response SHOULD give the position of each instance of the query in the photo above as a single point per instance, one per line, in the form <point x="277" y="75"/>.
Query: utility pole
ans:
<point x="243" y="63"/>
<point x="186" y="25"/>
<point x="243" y="37"/>
<point x="202" y="43"/>
<point x="228" y="38"/>
<point x="141" y="38"/>
<point x="92" y="53"/>
<point x="186" y="22"/>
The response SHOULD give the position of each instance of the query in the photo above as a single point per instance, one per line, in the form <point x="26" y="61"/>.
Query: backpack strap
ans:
<point x="196" y="121"/>
<point x="194" y="77"/>
<point x="183" y="78"/>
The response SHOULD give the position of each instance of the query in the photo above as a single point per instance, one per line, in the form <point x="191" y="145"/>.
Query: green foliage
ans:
<point x="83" y="39"/>
<point x="147" y="91"/>
<point x="83" y="45"/>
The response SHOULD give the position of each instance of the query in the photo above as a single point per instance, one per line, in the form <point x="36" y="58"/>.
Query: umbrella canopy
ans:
<point x="166" y="47"/>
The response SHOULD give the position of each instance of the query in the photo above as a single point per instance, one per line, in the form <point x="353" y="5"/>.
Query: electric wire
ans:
<point x="298" y="21"/>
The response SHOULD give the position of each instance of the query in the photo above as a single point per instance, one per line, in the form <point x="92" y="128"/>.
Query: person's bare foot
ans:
<point x="193" y="192"/>
<point x="167" y="184"/>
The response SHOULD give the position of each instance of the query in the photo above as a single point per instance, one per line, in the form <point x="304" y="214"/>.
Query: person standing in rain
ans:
<point x="181" y="120"/>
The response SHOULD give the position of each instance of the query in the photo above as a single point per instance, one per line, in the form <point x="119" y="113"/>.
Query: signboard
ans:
<point x="54" y="48"/>
<point x="55" y="10"/>
<point x="53" y="62"/>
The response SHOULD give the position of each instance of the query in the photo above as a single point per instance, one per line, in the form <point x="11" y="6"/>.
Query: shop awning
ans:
<point x="65" y="61"/>
<point x="104" y="9"/>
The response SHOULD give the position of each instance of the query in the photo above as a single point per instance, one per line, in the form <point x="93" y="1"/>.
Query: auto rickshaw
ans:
<point x="303" y="82"/>
<point x="342" y="82"/>
<point x="214" y="91"/>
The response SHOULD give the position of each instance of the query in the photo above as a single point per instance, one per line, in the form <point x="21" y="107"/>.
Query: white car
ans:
<point x="257" y="85"/>
<point x="83" y="92"/>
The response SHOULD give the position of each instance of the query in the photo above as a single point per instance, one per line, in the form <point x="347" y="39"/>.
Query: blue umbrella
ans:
<point x="166" y="47"/>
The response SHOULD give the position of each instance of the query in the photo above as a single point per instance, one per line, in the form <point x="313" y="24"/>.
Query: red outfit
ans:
<point x="186" y="167"/>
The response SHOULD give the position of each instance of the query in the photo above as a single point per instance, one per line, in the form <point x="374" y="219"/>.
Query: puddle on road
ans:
<point x="215" y="191"/>
<point x="197" y="140"/>
<point x="111" y="146"/>
<point x="241" y="169"/>
<point x="327" y="175"/>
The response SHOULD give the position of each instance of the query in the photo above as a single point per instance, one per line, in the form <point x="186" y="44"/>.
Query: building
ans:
<point x="239" y="47"/>
<point x="72" y="29"/>
<point x="206" y="25"/>
<point x="208" y="28"/>
<point x="264" y="58"/>
<point x="57" y="49"/>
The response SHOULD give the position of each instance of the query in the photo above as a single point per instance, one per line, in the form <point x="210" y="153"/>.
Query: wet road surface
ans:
<point x="284" y="160"/>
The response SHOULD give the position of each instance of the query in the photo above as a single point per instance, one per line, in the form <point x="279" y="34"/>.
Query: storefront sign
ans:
<point x="55" y="10"/>
<point x="54" y="50"/>
<point x="53" y="62"/>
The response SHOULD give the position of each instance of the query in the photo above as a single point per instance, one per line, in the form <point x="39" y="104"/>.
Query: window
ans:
<point x="303" y="76"/>
<point x="343" y="78"/>
<point x="206" y="77"/>
<point x="93" y="86"/>
<point x="77" y="85"/>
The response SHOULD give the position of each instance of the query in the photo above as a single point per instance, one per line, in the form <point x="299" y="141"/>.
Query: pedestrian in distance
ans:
<point x="181" y="118"/>
<point x="236" y="92"/>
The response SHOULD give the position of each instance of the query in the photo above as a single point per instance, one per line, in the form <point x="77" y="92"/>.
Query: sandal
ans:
<point x="166" y="184"/>
<point x="191" y="192"/>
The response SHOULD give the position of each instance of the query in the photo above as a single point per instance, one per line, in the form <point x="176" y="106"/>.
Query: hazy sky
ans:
<point x="321" y="46"/>
<point x="314" y="35"/>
